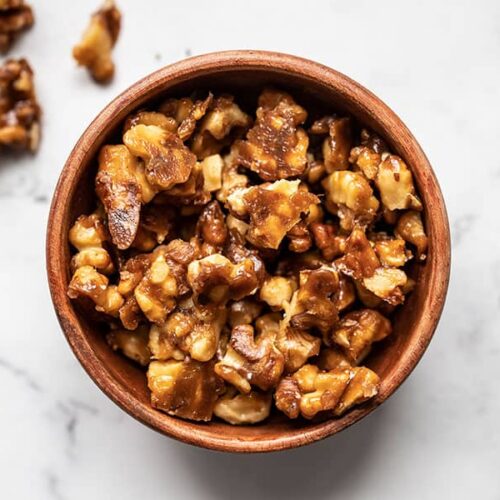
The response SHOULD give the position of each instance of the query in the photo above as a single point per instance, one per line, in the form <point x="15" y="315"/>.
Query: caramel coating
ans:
<point x="241" y="265"/>
<point x="15" y="17"/>
<point x="19" y="110"/>
<point x="98" y="40"/>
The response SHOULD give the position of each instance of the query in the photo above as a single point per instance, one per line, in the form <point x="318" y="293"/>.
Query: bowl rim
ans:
<point x="135" y="95"/>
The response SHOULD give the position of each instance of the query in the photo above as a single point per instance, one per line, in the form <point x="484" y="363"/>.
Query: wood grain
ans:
<point x="244" y="73"/>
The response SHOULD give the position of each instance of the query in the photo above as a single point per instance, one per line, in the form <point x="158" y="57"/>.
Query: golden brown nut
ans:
<point x="251" y="361"/>
<point x="88" y="235"/>
<point x="15" y="17"/>
<point x="133" y="344"/>
<point x="327" y="239"/>
<point x="277" y="290"/>
<point x="157" y="224"/>
<point x="239" y="409"/>
<point x="211" y="168"/>
<point x="122" y="188"/>
<point x="360" y="260"/>
<point x="310" y="391"/>
<point x="365" y="160"/>
<point x="186" y="389"/>
<point x="337" y="145"/>
<point x="19" y="110"/>
<point x="273" y="210"/>
<point x="395" y="183"/>
<point x="150" y="118"/>
<point x="346" y="294"/>
<point x="300" y="239"/>
<point x="231" y="178"/>
<point x="332" y="358"/>
<point x="87" y="282"/>
<point x="352" y="194"/>
<point x="223" y="118"/>
<point x="131" y="314"/>
<point x="243" y="312"/>
<point x="275" y="147"/>
<point x="357" y="330"/>
<point x="388" y="284"/>
<point x="167" y="160"/>
<point x="216" y="279"/>
<point x="94" y="50"/>
<point x="211" y="226"/>
<point x="193" y="329"/>
<point x="411" y="228"/>
<point x="392" y="252"/>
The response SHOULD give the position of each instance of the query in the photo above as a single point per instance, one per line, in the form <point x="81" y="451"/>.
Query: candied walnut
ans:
<point x="157" y="224"/>
<point x="357" y="330"/>
<point x="251" y="361"/>
<point x="333" y="358"/>
<point x="351" y="192"/>
<point x="193" y="329"/>
<point x="346" y="294"/>
<point x="337" y="145"/>
<point x="186" y="389"/>
<point x="224" y="116"/>
<point x="360" y="260"/>
<point x="211" y="168"/>
<point x="238" y="409"/>
<point x="131" y="314"/>
<point x="313" y="304"/>
<point x="369" y="299"/>
<point x="88" y="235"/>
<point x="366" y="161"/>
<point x="243" y="312"/>
<point x="315" y="170"/>
<point x="186" y="113"/>
<point x="94" y="50"/>
<point x="164" y="280"/>
<point x="15" y="17"/>
<point x="216" y="279"/>
<point x="273" y="210"/>
<point x="122" y="188"/>
<point x="411" y="228"/>
<point x="231" y="178"/>
<point x="300" y="238"/>
<point x="275" y="147"/>
<point x="392" y="252"/>
<point x="211" y="226"/>
<point x="327" y="239"/>
<point x="133" y="344"/>
<point x="388" y="284"/>
<point x="19" y="110"/>
<point x="167" y="160"/>
<point x="395" y="183"/>
<point x="87" y="282"/>
<point x="277" y="290"/>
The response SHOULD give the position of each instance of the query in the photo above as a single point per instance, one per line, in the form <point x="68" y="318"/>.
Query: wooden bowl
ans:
<point x="244" y="73"/>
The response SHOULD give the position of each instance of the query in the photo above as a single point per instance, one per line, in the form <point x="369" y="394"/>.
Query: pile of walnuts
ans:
<point x="245" y="258"/>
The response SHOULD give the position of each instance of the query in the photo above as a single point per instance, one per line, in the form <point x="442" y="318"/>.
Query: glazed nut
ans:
<point x="327" y="239"/>
<point x="239" y="409"/>
<point x="411" y="228"/>
<point x="15" y="17"/>
<point x="273" y="210"/>
<point x="275" y="147"/>
<point x="250" y="361"/>
<point x="212" y="172"/>
<point x="186" y="389"/>
<point x="276" y="290"/>
<point x="19" y="110"/>
<point x="388" y="284"/>
<point x="366" y="161"/>
<point x="358" y="330"/>
<point x="392" y="252"/>
<point x="211" y="226"/>
<point x="133" y="344"/>
<point x="94" y="50"/>
<point x="243" y="312"/>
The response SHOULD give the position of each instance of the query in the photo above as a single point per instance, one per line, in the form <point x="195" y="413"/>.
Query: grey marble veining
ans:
<point x="437" y="64"/>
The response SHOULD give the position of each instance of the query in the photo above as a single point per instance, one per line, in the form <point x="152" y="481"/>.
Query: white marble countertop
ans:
<point x="437" y="65"/>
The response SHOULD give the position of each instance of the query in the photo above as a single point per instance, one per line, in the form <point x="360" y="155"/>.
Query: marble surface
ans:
<point x="437" y="65"/>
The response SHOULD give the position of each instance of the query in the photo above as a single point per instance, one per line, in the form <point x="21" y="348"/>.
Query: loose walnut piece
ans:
<point x="15" y="17"/>
<point x="186" y="389"/>
<point x="243" y="266"/>
<point x="273" y="210"/>
<point x="19" y="110"/>
<point x="275" y="147"/>
<point x="238" y="409"/>
<point x="94" y="50"/>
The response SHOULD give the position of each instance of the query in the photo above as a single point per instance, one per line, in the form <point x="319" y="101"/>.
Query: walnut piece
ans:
<point x="238" y="409"/>
<point x="411" y="229"/>
<point x="19" y="110"/>
<point x="95" y="47"/>
<point x="133" y="344"/>
<point x="15" y="17"/>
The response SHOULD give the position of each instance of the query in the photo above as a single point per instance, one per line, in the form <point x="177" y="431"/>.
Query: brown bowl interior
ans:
<point x="318" y="88"/>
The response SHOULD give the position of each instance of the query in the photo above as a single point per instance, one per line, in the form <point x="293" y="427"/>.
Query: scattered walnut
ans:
<point x="273" y="210"/>
<point x="133" y="344"/>
<point x="275" y="148"/>
<point x="187" y="389"/>
<point x="15" y="17"/>
<point x="241" y="409"/>
<point x="357" y="330"/>
<point x="19" y="110"/>
<point x="94" y="50"/>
